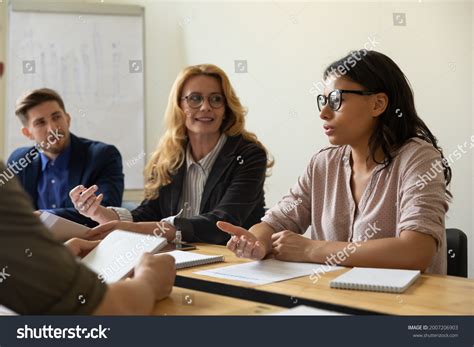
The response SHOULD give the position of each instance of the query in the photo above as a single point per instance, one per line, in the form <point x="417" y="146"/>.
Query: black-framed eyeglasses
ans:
<point x="195" y="100"/>
<point x="335" y="98"/>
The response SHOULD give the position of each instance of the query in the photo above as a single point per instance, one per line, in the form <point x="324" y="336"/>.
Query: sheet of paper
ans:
<point x="303" y="310"/>
<point x="4" y="311"/>
<point x="61" y="228"/>
<point x="266" y="271"/>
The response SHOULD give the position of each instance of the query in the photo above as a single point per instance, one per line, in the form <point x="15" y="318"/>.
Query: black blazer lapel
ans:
<point x="169" y="195"/>
<point x="223" y="161"/>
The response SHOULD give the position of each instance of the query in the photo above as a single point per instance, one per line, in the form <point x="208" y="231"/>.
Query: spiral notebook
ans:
<point x="189" y="259"/>
<point x="376" y="280"/>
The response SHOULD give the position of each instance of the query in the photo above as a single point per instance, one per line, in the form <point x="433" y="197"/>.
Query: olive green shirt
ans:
<point x="38" y="275"/>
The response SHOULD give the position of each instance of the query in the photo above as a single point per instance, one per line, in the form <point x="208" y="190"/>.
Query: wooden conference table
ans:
<point x="429" y="295"/>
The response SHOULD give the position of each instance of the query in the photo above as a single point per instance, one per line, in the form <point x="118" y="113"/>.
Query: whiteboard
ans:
<point x="95" y="62"/>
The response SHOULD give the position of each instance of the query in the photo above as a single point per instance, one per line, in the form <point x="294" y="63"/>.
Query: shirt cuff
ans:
<point x="123" y="214"/>
<point x="169" y="220"/>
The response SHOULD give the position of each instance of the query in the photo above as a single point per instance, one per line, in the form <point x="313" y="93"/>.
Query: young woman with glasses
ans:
<point x="206" y="168"/>
<point x="378" y="196"/>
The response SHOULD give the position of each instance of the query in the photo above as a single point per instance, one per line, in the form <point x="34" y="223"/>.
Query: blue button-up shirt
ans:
<point x="53" y="182"/>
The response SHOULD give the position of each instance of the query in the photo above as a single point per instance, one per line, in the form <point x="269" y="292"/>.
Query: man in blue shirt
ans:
<point x="53" y="181"/>
<point x="60" y="161"/>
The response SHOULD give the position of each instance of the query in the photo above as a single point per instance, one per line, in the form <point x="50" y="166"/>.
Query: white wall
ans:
<point x="287" y="46"/>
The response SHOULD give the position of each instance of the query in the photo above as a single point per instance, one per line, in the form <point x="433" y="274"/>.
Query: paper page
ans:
<point x="61" y="228"/>
<point x="303" y="310"/>
<point x="120" y="252"/>
<point x="5" y="311"/>
<point x="266" y="271"/>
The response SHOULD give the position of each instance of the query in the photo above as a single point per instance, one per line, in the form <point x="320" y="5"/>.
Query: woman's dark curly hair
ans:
<point x="377" y="72"/>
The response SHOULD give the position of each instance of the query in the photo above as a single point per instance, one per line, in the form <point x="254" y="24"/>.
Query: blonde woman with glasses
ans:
<point x="207" y="167"/>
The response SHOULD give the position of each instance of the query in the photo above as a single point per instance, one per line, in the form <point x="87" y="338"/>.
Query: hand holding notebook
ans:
<point x="116" y="256"/>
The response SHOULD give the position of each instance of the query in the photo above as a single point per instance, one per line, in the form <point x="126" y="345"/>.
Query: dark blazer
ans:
<point x="91" y="163"/>
<point x="233" y="193"/>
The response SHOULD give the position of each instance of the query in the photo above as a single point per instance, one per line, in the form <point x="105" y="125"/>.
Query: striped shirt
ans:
<point x="196" y="178"/>
<point x="193" y="185"/>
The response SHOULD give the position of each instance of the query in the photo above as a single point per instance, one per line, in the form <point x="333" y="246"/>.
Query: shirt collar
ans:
<point x="206" y="162"/>
<point x="61" y="162"/>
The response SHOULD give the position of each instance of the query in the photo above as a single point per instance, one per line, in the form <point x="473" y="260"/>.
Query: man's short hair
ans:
<point x="33" y="99"/>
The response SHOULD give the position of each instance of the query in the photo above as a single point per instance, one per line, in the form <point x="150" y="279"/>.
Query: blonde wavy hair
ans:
<point x="169" y="155"/>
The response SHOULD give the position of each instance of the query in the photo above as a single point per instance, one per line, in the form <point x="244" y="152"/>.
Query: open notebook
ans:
<point x="119" y="252"/>
<point x="189" y="259"/>
<point x="61" y="228"/>
<point x="377" y="280"/>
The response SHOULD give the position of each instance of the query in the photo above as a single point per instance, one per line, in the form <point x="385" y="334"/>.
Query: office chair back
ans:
<point x="457" y="252"/>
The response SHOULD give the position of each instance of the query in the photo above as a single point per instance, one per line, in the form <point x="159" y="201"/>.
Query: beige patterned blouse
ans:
<point x="407" y="195"/>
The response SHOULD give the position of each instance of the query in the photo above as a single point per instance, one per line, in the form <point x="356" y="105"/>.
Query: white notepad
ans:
<point x="189" y="259"/>
<point x="119" y="252"/>
<point x="266" y="271"/>
<point x="377" y="280"/>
